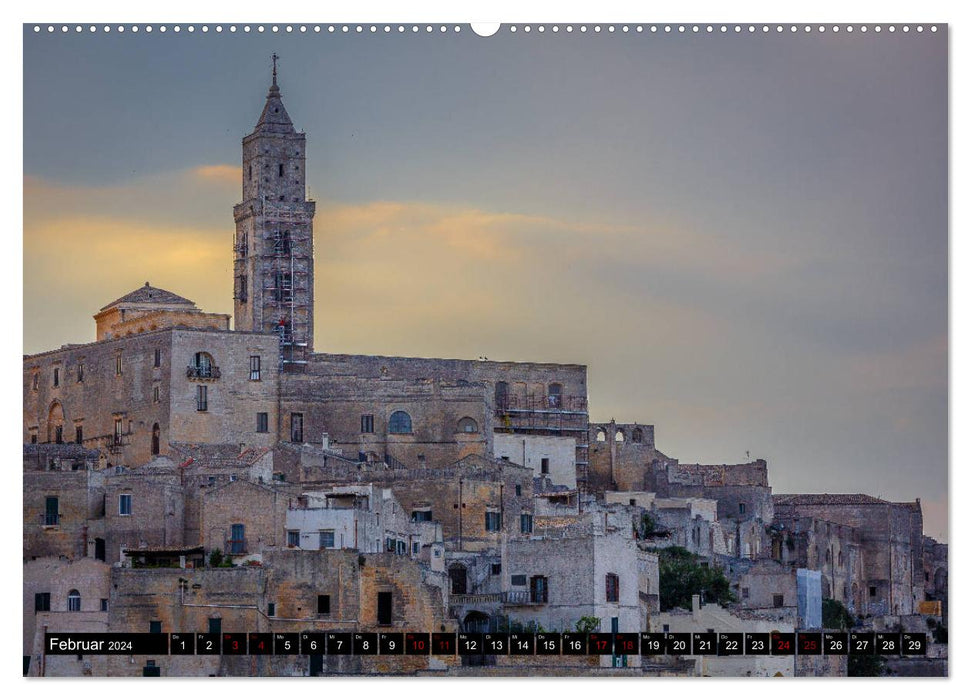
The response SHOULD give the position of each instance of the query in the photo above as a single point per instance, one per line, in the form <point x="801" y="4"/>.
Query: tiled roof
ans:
<point x="825" y="499"/>
<point x="151" y="295"/>
<point x="64" y="451"/>
<point x="212" y="452"/>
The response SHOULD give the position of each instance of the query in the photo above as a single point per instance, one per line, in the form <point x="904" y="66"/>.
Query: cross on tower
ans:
<point x="275" y="58"/>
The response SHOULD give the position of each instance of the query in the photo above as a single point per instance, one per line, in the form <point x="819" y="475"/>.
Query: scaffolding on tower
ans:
<point x="284" y="279"/>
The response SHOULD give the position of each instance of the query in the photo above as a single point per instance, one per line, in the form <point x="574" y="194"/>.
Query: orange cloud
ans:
<point x="225" y="174"/>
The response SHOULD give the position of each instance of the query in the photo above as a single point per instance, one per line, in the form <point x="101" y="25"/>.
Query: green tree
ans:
<point x="682" y="574"/>
<point x="866" y="666"/>
<point x="647" y="526"/>
<point x="836" y="616"/>
<point x="588" y="624"/>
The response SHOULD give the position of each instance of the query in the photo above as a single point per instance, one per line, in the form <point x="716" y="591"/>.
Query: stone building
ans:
<point x="550" y="457"/>
<point x="149" y="308"/>
<point x="63" y="502"/>
<point x="935" y="573"/>
<point x="585" y="566"/>
<point x="890" y="579"/>
<point x="362" y="493"/>
<point x="130" y="397"/>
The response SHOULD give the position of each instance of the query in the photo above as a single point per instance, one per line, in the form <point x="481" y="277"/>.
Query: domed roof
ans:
<point x="153" y="296"/>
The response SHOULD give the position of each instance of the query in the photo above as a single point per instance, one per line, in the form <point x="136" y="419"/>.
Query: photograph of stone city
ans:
<point x="696" y="282"/>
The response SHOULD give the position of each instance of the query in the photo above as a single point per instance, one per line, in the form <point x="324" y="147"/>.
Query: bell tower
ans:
<point x="274" y="247"/>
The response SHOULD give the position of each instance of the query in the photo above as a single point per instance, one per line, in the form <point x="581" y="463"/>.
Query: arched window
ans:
<point x="619" y="436"/>
<point x="555" y="395"/>
<point x="458" y="575"/>
<point x="468" y="425"/>
<point x="637" y="435"/>
<point x="55" y="423"/>
<point x="202" y="365"/>
<point x="156" y="434"/>
<point x="601" y="436"/>
<point x="74" y="601"/>
<point x="399" y="423"/>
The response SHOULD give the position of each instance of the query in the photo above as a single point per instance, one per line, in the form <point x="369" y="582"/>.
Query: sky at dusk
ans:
<point x="744" y="237"/>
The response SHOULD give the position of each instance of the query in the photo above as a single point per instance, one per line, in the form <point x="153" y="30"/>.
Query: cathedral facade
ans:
<point x="162" y="372"/>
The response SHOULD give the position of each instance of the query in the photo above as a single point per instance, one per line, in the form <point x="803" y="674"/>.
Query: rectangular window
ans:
<point x="117" y="365"/>
<point x="156" y="394"/>
<point x="202" y="398"/>
<point x="496" y="569"/>
<point x="42" y="602"/>
<point x="544" y="465"/>
<point x="519" y="490"/>
<point x="80" y="371"/>
<point x="155" y="627"/>
<point x="158" y="357"/>
<point x="326" y="539"/>
<point x="124" y="504"/>
<point x="237" y="538"/>
<point x="271" y="609"/>
<point x="415" y="548"/>
<point x="613" y="588"/>
<point x="242" y="290"/>
<point x="57" y="376"/>
<point x="493" y="521"/>
<point x="78" y="434"/>
<point x="367" y="424"/>
<point x="293" y="538"/>
<point x="777" y="601"/>
<point x="33" y="438"/>
<point x="384" y="608"/>
<point x="254" y="368"/>
<point x="51" y="508"/>
<point x="215" y="625"/>
<point x="323" y="605"/>
<point x="421" y="516"/>
<point x="539" y="589"/>
<point x="745" y="593"/>
<point x="519" y="579"/>
<point x="296" y="427"/>
<point x="104" y="605"/>
<point x="526" y="523"/>
<point x="873" y="591"/>
<point x="281" y="169"/>
<point x="262" y="423"/>
<point x="59" y="434"/>
<point x="741" y="509"/>
<point x="35" y="381"/>
<point x="117" y="431"/>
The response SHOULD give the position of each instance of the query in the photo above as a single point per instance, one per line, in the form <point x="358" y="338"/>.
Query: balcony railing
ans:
<point x="475" y="598"/>
<point x="553" y="404"/>
<point x="524" y="597"/>
<point x="202" y="372"/>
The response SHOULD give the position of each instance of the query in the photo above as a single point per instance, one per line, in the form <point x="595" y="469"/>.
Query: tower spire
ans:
<point x="274" y="117"/>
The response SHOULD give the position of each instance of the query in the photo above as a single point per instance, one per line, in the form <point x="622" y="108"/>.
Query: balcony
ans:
<point x="202" y="372"/>
<point x="524" y="597"/>
<point x="507" y="404"/>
